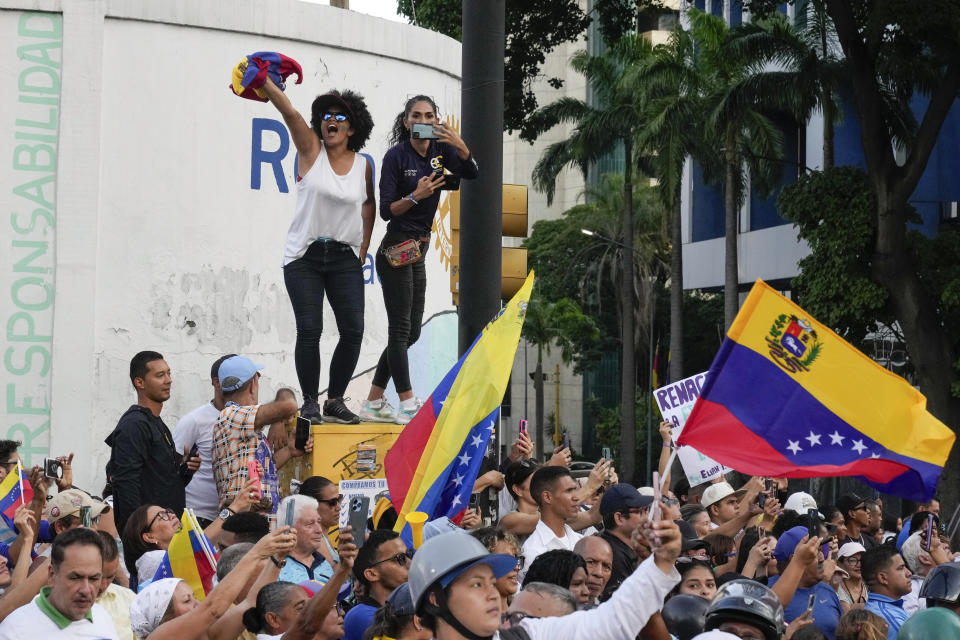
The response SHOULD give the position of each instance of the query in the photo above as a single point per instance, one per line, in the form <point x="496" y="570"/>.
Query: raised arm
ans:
<point x="193" y="625"/>
<point x="311" y="618"/>
<point x="304" y="138"/>
<point x="276" y="411"/>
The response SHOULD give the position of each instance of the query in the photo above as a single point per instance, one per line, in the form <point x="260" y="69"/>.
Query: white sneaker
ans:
<point x="408" y="409"/>
<point x="377" y="411"/>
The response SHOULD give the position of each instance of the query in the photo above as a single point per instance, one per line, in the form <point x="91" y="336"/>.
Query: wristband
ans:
<point x="412" y="199"/>
<point x="667" y="446"/>
<point x="279" y="563"/>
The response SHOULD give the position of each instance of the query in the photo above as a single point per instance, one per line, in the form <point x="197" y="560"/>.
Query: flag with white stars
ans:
<point x="787" y="397"/>
<point x="434" y="463"/>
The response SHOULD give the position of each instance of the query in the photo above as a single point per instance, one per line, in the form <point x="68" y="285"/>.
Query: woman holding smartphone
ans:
<point x="328" y="240"/>
<point x="411" y="178"/>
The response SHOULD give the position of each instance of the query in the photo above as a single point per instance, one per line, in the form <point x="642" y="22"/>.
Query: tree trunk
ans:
<point x="538" y="392"/>
<point x="628" y="366"/>
<point x="827" y="136"/>
<point x="676" y="294"/>
<point x="731" y="283"/>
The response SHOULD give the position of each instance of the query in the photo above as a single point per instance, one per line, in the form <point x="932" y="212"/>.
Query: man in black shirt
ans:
<point x="145" y="467"/>
<point x="857" y="519"/>
<point x="623" y="508"/>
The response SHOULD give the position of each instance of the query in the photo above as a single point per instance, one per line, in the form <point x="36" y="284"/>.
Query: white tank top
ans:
<point x="328" y="206"/>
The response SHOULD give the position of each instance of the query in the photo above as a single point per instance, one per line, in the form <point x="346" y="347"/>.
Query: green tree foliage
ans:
<point x="533" y="29"/>
<point x="834" y="214"/>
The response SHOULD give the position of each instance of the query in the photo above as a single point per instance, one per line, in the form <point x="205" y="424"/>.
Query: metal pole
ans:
<point x="649" y="392"/>
<point x="481" y="202"/>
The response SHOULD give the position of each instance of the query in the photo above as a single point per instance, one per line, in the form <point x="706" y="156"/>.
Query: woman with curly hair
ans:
<point x="328" y="239"/>
<point x="413" y="172"/>
<point x="562" y="568"/>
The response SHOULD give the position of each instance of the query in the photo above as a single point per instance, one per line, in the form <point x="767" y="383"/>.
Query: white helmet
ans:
<point x="442" y="558"/>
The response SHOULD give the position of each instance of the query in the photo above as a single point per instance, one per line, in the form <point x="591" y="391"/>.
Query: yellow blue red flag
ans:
<point x="436" y="458"/>
<point x="787" y="397"/>
<point x="15" y="490"/>
<point x="190" y="557"/>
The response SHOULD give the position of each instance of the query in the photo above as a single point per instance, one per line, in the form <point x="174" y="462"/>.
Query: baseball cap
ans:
<point x="801" y="502"/>
<point x="236" y="371"/>
<point x="847" y="502"/>
<point x="69" y="502"/>
<point x="850" y="549"/>
<point x="717" y="492"/>
<point x="788" y="543"/>
<point x="623" y="496"/>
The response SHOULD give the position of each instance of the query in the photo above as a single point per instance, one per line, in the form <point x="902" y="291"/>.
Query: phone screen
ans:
<point x="289" y="515"/>
<point x="813" y="529"/>
<point x="422" y="131"/>
<point x="926" y="543"/>
<point x="811" y="600"/>
<point x="302" y="433"/>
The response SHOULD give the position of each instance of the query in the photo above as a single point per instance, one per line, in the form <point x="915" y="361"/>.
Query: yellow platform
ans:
<point x="350" y="452"/>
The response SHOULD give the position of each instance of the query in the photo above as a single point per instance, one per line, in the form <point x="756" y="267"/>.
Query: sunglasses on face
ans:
<point x="401" y="559"/>
<point x="339" y="117"/>
<point x="331" y="502"/>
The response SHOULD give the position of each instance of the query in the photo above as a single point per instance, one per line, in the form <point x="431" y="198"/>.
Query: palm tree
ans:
<point x="670" y="84"/>
<point x="598" y="128"/>
<point x="797" y="69"/>
<point x="548" y="323"/>
<point x="750" y="143"/>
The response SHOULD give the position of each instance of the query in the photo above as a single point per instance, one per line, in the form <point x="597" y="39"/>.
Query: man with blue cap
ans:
<point x="238" y="436"/>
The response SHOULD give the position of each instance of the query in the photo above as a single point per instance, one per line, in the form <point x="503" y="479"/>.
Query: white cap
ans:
<point x="717" y="492"/>
<point x="850" y="548"/>
<point x="715" y="634"/>
<point x="645" y="491"/>
<point x="801" y="502"/>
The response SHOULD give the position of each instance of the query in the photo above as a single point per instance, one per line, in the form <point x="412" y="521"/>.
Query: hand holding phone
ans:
<point x="302" y="433"/>
<point x="565" y="441"/>
<point x="655" y="512"/>
<point x="357" y="518"/>
<point x="253" y="473"/>
<point x="813" y="527"/>
<point x="420" y="131"/>
<point x="523" y="426"/>
<point x="52" y="468"/>
<point x="928" y="531"/>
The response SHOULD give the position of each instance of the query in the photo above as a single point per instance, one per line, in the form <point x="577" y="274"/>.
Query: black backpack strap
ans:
<point x="514" y="633"/>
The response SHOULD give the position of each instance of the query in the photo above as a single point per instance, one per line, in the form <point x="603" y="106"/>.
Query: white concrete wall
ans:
<point x="147" y="231"/>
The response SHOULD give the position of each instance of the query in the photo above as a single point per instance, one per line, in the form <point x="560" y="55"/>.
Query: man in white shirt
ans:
<point x="555" y="492"/>
<point x="196" y="428"/>
<point x="66" y="608"/>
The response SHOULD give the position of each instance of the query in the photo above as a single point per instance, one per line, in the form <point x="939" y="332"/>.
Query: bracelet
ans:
<point x="412" y="199"/>
<point x="668" y="446"/>
<point x="279" y="563"/>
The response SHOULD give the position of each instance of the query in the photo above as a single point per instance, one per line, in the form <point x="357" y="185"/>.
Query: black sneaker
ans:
<point x="311" y="411"/>
<point x="335" y="411"/>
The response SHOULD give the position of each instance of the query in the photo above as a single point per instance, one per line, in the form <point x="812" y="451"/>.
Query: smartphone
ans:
<point x="86" y="517"/>
<point x="565" y="441"/>
<point x="474" y="502"/>
<point x="357" y="518"/>
<point x="655" y="507"/>
<point x="523" y="426"/>
<point x="194" y="451"/>
<point x="605" y="454"/>
<point x="929" y="530"/>
<point x="288" y="515"/>
<point x="422" y="131"/>
<point x="813" y="528"/>
<point x="302" y="433"/>
<point x="52" y="468"/>
<point x="253" y="473"/>
<point x="811" y="600"/>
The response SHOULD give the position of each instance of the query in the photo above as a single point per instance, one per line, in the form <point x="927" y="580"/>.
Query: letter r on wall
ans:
<point x="259" y="156"/>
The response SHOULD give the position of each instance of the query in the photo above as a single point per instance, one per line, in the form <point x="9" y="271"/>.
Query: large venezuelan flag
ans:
<point x="786" y="396"/>
<point x="435" y="461"/>
<point x="15" y="490"/>
<point x="190" y="557"/>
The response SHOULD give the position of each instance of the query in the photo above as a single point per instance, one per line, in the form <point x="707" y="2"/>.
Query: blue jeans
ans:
<point x="332" y="268"/>
<point x="404" y="295"/>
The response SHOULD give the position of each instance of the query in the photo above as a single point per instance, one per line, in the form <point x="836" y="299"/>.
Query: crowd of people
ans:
<point x="565" y="555"/>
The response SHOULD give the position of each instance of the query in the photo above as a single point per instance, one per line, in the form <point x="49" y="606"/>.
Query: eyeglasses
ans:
<point x="331" y="502"/>
<point x="164" y="514"/>
<point x="339" y="117"/>
<point x="520" y="562"/>
<point x="401" y="559"/>
<point x="340" y="610"/>
<point x="513" y="618"/>
<point x="851" y="559"/>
